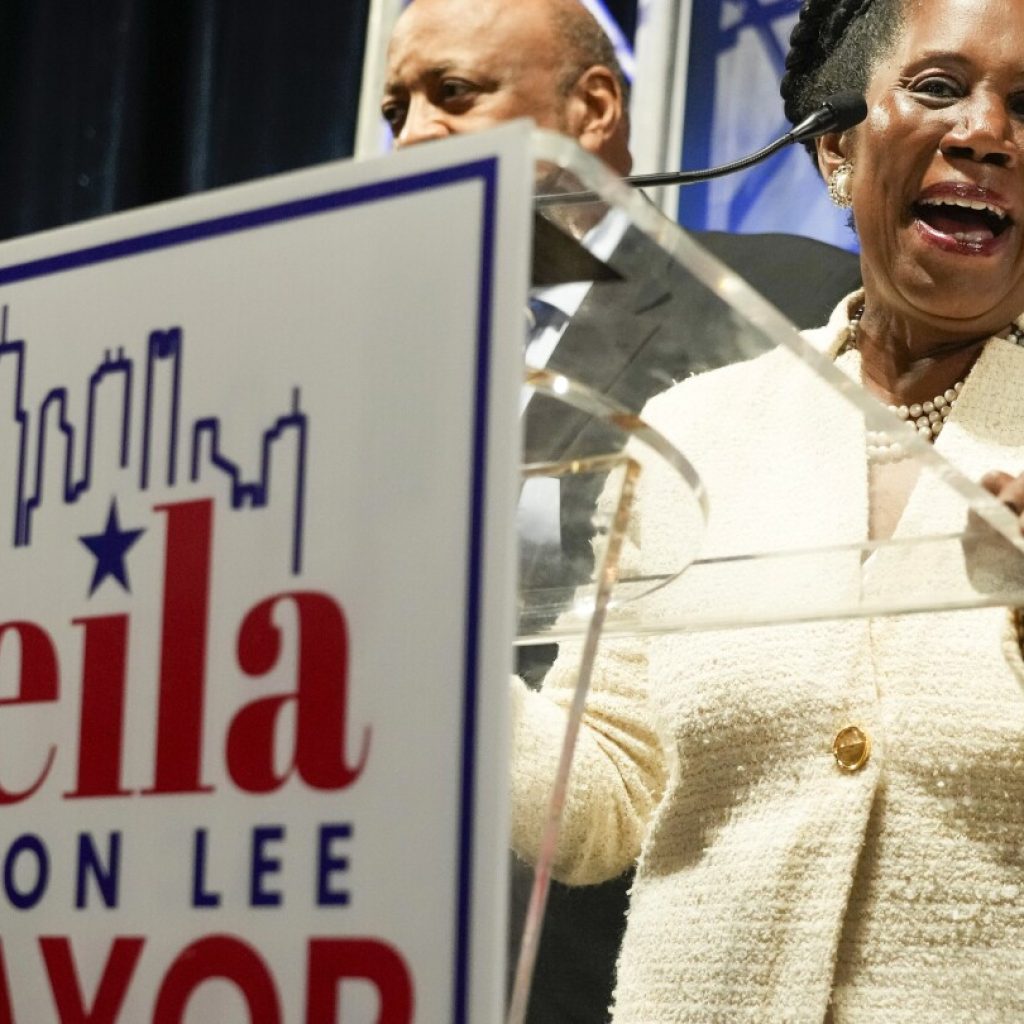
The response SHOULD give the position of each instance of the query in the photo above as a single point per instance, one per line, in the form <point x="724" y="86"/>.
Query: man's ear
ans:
<point x="833" y="150"/>
<point x="597" y="117"/>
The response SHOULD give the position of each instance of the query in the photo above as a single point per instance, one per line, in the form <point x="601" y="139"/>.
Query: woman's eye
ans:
<point x="937" y="86"/>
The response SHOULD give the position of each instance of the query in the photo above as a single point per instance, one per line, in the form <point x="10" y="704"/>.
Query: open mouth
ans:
<point x="968" y="222"/>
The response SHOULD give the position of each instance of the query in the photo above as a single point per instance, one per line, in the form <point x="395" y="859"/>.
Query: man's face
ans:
<point x="459" y="66"/>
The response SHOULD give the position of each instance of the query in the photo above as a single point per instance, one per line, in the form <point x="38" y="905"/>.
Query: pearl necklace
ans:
<point x="927" y="418"/>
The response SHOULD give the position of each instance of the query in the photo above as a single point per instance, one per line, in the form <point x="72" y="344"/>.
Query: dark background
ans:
<point x="624" y="12"/>
<point x="109" y="104"/>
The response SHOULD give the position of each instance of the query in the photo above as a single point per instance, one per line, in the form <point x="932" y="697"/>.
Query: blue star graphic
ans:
<point x="109" y="548"/>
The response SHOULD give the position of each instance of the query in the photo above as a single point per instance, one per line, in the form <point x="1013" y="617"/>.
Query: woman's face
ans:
<point x="938" y="186"/>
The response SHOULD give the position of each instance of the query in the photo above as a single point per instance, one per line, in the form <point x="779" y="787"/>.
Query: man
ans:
<point x="457" y="66"/>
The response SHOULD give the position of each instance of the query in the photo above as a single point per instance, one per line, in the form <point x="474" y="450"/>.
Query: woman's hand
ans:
<point x="1009" y="490"/>
<point x="993" y="561"/>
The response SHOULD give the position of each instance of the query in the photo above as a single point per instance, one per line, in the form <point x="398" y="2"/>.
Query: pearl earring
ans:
<point x="840" y="185"/>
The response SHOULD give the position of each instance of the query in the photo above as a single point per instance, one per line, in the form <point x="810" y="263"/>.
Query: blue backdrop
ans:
<point x="733" y="107"/>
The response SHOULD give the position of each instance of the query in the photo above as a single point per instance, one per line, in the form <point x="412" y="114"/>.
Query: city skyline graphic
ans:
<point x="46" y="430"/>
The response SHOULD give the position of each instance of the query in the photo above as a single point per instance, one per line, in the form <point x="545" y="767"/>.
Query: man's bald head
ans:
<point x="585" y="43"/>
<point x="457" y="66"/>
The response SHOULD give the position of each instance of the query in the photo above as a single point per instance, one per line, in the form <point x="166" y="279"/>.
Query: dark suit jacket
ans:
<point x="637" y="337"/>
<point x="634" y="337"/>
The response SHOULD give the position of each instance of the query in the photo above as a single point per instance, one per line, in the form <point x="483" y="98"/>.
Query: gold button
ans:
<point x="852" y="748"/>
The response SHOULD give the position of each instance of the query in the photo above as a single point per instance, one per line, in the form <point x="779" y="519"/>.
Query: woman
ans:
<point x="829" y="818"/>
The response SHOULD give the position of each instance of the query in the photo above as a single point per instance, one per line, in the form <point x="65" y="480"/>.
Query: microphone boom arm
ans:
<point x="837" y="113"/>
<point x="670" y="177"/>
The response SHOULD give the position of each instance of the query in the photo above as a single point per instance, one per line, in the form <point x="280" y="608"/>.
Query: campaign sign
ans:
<point x="258" y="452"/>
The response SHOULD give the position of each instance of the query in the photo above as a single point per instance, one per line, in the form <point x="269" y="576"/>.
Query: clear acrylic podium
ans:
<point x="640" y="311"/>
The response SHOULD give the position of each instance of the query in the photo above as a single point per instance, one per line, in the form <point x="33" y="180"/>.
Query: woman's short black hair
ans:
<point x="834" y="47"/>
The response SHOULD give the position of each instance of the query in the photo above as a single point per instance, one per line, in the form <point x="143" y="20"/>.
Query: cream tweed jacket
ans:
<point x="770" y="884"/>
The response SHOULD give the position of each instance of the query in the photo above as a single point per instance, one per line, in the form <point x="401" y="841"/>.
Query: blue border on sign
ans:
<point x="486" y="170"/>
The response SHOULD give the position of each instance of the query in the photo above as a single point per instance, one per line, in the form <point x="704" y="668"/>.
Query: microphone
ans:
<point x="840" y="111"/>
